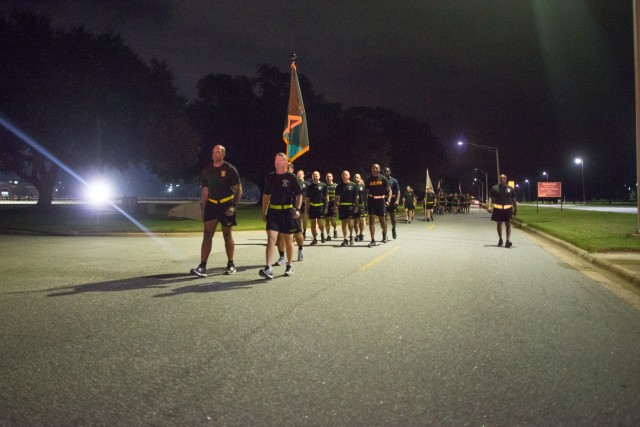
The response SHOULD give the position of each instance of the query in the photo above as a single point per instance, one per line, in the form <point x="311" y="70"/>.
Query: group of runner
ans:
<point x="289" y="202"/>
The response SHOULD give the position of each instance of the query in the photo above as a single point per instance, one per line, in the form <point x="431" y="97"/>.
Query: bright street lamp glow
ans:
<point x="99" y="193"/>
<point x="578" y="161"/>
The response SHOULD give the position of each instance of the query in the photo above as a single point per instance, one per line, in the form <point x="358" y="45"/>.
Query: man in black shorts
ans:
<point x="359" y="223"/>
<point x="504" y="208"/>
<point x="221" y="192"/>
<point x="330" y="215"/>
<point x="393" y="201"/>
<point x="429" y="204"/>
<point x="346" y="204"/>
<point x="378" y="197"/>
<point x="281" y="203"/>
<point x="318" y="203"/>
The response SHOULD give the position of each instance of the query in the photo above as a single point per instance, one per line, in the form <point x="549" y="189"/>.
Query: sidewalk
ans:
<point x="624" y="264"/>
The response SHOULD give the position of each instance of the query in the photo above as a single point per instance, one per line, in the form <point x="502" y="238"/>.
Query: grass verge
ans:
<point x="588" y="230"/>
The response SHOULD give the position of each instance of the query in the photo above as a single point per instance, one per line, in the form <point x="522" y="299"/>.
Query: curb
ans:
<point x="628" y="275"/>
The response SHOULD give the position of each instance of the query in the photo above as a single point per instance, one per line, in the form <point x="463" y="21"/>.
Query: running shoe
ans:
<point x="345" y="242"/>
<point x="393" y="233"/>
<point x="266" y="273"/>
<point x="200" y="272"/>
<point x="231" y="269"/>
<point x="500" y="242"/>
<point x="279" y="262"/>
<point x="384" y="238"/>
<point x="314" y="242"/>
<point x="300" y="255"/>
<point x="508" y="244"/>
<point x="289" y="270"/>
<point x="335" y="234"/>
<point x="372" y="244"/>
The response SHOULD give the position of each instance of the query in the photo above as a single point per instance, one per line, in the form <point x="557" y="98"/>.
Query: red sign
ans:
<point x="549" y="189"/>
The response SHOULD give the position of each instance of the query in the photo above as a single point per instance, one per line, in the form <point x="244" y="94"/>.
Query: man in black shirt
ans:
<point x="346" y="204"/>
<point x="281" y="203"/>
<point x="378" y="199"/>
<point x="504" y="207"/>
<point x="221" y="192"/>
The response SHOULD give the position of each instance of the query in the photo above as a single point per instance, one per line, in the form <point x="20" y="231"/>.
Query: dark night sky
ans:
<point x="543" y="80"/>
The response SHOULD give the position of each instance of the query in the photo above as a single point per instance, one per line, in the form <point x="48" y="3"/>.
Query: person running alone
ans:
<point x="281" y="203"/>
<point x="221" y="193"/>
<point x="503" y="209"/>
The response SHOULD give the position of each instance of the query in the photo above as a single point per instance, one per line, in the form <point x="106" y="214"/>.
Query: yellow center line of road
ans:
<point x="378" y="259"/>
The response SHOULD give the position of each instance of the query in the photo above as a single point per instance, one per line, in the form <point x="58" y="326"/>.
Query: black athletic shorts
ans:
<point x="282" y="221"/>
<point x="375" y="207"/>
<point x="501" y="215"/>
<point x="217" y="211"/>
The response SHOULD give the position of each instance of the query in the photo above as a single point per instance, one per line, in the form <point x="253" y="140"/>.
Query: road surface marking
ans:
<point x="378" y="259"/>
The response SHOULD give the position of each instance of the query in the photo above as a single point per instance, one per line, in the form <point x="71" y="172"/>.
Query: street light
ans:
<point x="529" y="189"/>
<point x="546" y="174"/>
<point x="486" y="179"/>
<point x="580" y="162"/>
<point x="486" y="147"/>
<point x="481" y="188"/>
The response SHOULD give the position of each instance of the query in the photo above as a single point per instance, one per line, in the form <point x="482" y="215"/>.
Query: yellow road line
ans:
<point x="378" y="259"/>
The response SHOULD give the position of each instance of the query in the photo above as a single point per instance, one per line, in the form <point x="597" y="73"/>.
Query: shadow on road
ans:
<point x="159" y="281"/>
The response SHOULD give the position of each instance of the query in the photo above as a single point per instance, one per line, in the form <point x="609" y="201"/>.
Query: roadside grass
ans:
<point x="591" y="231"/>
<point x="588" y="230"/>
<point x="84" y="219"/>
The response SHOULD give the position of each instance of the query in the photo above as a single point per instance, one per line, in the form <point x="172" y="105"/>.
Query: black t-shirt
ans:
<point x="317" y="193"/>
<point x="282" y="188"/>
<point x="502" y="194"/>
<point x="377" y="185"/>
<point x="347" y="192"/>
<point x="220" y="180"/>
<point x="431" y="197"/>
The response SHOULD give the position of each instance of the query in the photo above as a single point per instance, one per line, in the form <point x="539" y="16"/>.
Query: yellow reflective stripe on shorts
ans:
<point x="226" y="199"/>
<point x="280" y="207"/>
<point x="377" y="197"/>
<point x="346" y="204"/>
<point x="502" y="206"/>
<point x="316" y="204"/>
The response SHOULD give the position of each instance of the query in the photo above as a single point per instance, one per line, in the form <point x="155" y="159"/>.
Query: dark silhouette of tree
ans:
<point x="89" y="100"/>
<point x="248" y="115"/>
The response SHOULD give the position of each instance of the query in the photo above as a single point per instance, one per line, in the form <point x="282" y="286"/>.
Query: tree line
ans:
<point x="91" y="100"/>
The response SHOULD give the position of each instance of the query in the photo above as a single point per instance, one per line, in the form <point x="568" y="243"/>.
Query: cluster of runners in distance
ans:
<point x="289" y="203"/>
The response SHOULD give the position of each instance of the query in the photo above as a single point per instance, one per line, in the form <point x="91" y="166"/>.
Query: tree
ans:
<point x="89" y="100"/>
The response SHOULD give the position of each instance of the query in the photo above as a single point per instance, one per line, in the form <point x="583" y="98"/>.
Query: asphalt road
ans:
<point x="439" y="327"/>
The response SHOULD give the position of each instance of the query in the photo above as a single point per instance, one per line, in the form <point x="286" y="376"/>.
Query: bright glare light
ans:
<point x="99" y="193"/>
<point x="460" y="143"/>
<point x="578" y="160"/>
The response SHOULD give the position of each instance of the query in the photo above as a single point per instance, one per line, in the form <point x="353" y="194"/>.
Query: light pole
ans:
<point x="517" y="190"/>
<point x="486" y="180"/>
<point x="481" y="188"/>
<point x="546" y="174"/>
<point x="488" y="148"/>
<point x="580" y="162"/>
<point x="528" y="189"/>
